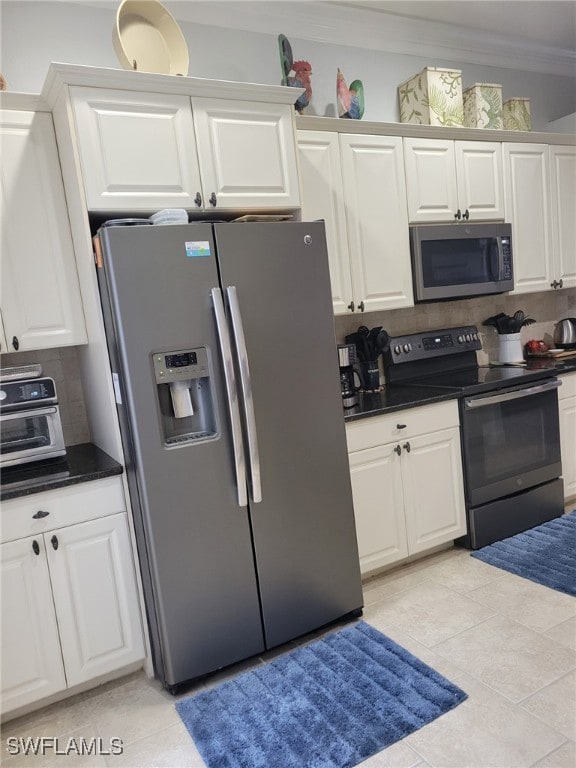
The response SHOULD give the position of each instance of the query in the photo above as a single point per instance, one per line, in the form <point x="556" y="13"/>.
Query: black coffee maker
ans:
<point x="347" y="359"/>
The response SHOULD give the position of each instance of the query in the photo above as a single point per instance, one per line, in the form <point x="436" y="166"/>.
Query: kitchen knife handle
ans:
<point x="246" y="385"/>
<point x="232" y="392"/>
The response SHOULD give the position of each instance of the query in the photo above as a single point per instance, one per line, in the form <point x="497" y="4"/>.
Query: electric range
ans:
<point x="509" y="424"/>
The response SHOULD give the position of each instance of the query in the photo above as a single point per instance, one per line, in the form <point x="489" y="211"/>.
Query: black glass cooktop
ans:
<point x="484" y="378"/>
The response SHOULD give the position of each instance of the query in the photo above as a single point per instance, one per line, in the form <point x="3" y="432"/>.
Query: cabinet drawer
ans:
<point x="66" y="506"/>
<point x="568" y="386"/>
<point x="378" y="430"/>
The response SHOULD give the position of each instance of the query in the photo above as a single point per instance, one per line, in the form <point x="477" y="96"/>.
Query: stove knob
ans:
<point x="407" y="348"/>
<point x="474" y="337"/>
<point x="397" y="349"/>
<point x="468" y="337"/>
<point x="460" y="339"/>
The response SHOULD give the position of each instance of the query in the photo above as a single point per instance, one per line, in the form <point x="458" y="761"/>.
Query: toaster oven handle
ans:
<point x="482" y="402"/>
<point x="31" y="411"/>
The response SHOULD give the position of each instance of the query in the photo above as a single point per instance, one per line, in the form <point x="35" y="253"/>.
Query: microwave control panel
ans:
<point x="26" y="393"/>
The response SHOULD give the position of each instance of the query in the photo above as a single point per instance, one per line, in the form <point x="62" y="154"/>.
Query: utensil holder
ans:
<point x="510" y="350"/>
<point x="370" y="375"/>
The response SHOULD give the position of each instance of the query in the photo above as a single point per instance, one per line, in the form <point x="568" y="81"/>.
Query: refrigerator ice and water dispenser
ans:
<point x="184" y="395"/>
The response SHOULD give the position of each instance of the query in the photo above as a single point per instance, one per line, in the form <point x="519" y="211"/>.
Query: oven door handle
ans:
<point x="482" y="402"/>
<point x="28" y="412"/>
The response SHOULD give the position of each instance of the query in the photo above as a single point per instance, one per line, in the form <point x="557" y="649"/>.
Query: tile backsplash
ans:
<point x="546" y="308"/>
<point x="62" y="365"/>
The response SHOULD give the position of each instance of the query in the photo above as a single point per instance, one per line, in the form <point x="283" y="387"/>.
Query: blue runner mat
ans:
<point x="329" y="704"/>
<point x="545" y="554"/>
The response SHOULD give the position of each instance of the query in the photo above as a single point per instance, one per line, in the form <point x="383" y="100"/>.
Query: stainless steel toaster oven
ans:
<point x="30" y="425"/>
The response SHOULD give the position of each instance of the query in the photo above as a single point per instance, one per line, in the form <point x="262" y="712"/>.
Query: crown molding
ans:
<point x="377" y="30"/>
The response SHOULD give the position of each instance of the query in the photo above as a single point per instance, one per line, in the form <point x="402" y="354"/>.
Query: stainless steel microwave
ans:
<point x="451" y="261"/>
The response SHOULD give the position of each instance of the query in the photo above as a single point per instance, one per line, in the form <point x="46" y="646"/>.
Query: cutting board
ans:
<point x="555" y="354"/>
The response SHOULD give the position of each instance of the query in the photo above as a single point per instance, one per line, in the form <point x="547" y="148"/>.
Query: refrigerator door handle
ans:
<point x="246" y="384"/>
<point x="232" y="392"/>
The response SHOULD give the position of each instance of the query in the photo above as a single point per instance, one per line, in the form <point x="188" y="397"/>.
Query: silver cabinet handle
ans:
<point x="481" y="402"/>
<point x="232" y="392"/>
<point x="246" y="385"/>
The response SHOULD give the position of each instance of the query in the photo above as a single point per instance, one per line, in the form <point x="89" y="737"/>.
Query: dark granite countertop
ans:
<point x="81" y="464"/>
<point x="397" y="397"/>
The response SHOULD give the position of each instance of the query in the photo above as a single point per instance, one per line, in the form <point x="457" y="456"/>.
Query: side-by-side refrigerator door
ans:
<point x="192" y="521"/>
<point x="276" y="282"/>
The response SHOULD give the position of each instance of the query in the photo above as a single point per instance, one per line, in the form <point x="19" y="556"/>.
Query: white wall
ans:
<point x="35" y="33"/>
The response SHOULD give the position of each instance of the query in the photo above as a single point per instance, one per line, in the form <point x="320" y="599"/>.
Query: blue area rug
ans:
<point x="329" y="704"/>
<point x="545" y="554"/>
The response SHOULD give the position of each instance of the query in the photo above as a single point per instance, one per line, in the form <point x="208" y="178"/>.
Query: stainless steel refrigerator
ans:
<point x="222" y="347"/>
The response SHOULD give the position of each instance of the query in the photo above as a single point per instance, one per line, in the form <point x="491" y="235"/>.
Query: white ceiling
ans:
<point x="545" y="22"/>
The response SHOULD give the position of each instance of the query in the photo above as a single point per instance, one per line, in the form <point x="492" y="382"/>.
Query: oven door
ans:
<point x="30" y="435"/>
<point x="510" y="441"/>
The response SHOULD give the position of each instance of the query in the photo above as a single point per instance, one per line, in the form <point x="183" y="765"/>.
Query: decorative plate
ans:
<point x="147" y="38"/>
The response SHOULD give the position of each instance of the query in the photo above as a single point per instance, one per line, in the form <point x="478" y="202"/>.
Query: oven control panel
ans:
<point x="430" y="344"/>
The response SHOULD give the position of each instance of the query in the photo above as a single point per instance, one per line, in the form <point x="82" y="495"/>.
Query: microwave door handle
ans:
<point x="232" y="394"/>
<point x="496" y="260"/>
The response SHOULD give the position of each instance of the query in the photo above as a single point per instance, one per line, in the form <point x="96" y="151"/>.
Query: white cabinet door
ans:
<point x="40" y="296"/>
<point x="377" y="221"/>
<point x="31" y="659"/>
<point x="378" y="506"/>
<point x="430" y="179"/>
<point x="527" y="201"/>
<point x="137" y="150"/>
<point x="563" y="208"/>
<point x="247" y="154"/>
<point x="95" y="596"/>
<point x="479" y="179"/>
<point x="323" y="198"/>
<point x="433" y="489"/>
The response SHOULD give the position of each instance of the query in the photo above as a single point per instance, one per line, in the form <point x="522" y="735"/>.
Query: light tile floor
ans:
<point x="509" y="643"/>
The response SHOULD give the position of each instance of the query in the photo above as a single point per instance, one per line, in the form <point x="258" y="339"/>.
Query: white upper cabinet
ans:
<point x="323" y="198"/>
<point x="453" y="180"/>
<point x="40" y="296"/>
<point x="377" y="221"/>
<point x="563" y="209"/>
<point x="145" y="151"/>
<point x="247" y="154"/>
<point x="479" y="179"/>
<point x="528" y="210"/>
<point x="137" y="150"/>
<point x="356" y="184"/>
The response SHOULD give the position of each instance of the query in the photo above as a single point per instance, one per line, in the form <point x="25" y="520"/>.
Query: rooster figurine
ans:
<point x="295" y="73"/>
<point x="350" y="100"/>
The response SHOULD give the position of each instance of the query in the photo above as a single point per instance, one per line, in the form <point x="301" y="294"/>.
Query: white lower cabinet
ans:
<point x="32" y="666"/>
<point x="567" y="408"/>
<point x="407" y="483"/>
<point x="70" y="610"/>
